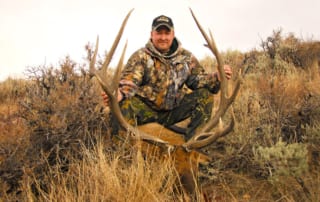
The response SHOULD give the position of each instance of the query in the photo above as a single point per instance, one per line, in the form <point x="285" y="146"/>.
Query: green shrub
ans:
<point x="283" y="159"/>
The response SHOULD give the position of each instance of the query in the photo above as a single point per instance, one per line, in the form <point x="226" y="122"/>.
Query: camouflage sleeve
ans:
<point x="132" y="75"/>
<point x="200" y="79"/>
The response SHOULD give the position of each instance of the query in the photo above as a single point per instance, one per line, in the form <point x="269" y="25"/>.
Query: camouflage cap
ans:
<point x="162" y="20"/>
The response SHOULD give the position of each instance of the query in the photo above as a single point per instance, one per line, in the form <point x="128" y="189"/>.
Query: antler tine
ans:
<point x="212" y="46"/>
<point x="205" y="134"/>
<point x="208" y="138"/>
<point x="110" y="54"/>
<point x="92" y="68"/>
<point x="114" y="46"/>
<point x="117" y="74"/>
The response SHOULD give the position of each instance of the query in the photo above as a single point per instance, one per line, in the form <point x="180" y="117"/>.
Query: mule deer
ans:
<point x="186" y="154"/>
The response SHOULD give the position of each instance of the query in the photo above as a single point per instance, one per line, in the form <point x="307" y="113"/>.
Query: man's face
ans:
<point x="162" y="38"/>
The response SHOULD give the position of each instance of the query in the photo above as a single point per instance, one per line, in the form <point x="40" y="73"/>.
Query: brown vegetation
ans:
<point x="55" y="143"/>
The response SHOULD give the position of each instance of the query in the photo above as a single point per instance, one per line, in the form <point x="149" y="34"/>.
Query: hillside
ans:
<point x="55" y="142"/>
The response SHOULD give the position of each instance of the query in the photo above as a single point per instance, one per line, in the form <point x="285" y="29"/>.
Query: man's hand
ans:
<point x="227" y="71"/>
<point x="105" y="97"/>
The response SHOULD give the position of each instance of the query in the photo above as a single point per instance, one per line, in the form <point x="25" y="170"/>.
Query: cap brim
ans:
<point x="162" y="25"/>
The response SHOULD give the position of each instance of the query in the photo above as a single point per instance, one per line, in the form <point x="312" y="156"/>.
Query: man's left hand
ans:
<point x="227" y="70"/>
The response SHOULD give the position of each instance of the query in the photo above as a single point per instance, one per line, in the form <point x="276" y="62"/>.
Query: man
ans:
<point x="163" y="82"/>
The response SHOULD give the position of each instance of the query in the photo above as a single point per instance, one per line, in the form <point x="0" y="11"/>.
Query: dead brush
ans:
<point x="61" y="114"/>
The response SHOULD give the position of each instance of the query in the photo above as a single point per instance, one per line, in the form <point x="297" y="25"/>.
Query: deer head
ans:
<point x="180" y="149"/>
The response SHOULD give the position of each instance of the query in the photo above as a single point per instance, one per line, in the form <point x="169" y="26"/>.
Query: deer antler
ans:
<point x="201" y="139"/>
<point x="111" y="87"/>
<point x="205" y="136"/>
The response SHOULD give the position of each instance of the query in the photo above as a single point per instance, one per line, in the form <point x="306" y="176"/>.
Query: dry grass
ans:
<point x="102" y="176"/>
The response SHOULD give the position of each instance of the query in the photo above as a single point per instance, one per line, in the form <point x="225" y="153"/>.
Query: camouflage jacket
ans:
<point x="163" y="80"/>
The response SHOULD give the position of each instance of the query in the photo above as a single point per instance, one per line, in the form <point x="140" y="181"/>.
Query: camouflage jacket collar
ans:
<point x="174" y="50"/>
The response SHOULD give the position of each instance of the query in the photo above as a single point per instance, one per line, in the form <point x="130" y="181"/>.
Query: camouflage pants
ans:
<point x="197" y="106"/>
